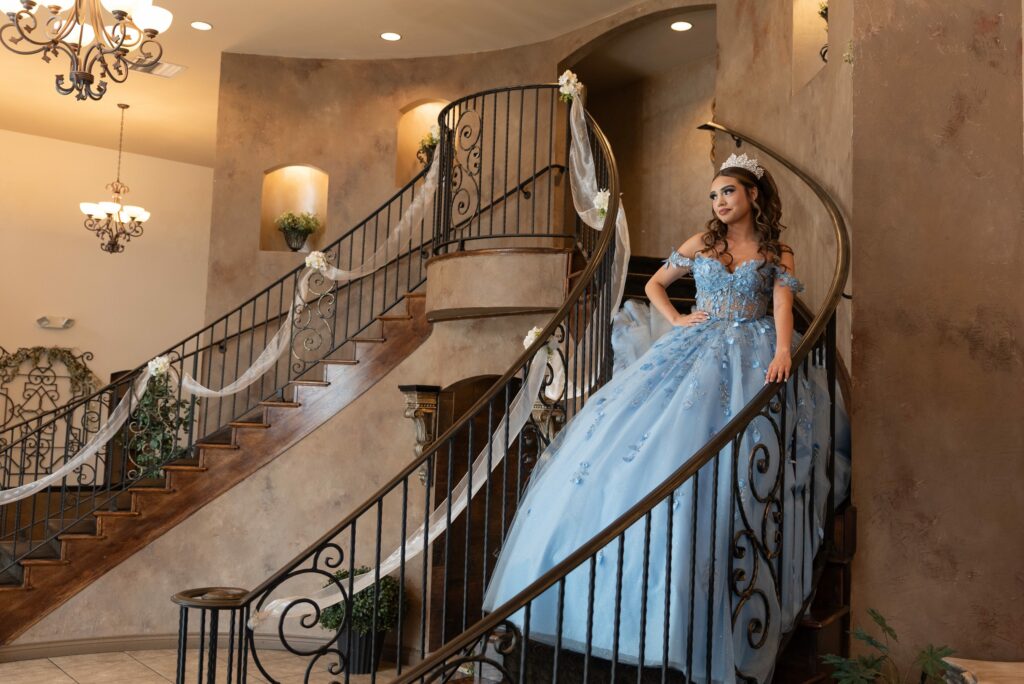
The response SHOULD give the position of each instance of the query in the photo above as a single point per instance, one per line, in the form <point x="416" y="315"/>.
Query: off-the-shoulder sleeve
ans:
<point x="677" y="260"/>
<point x="789" y="280"/>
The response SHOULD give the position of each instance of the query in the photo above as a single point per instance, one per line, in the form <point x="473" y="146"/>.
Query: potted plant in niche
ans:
<point x="297" y="228"/>
<point x="367" y="646"/>
<point x="428" y="144"/>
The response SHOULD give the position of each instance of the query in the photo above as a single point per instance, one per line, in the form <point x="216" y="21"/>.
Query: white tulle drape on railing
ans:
<point x="399" y="237"/>
<point x="585" y="193"/>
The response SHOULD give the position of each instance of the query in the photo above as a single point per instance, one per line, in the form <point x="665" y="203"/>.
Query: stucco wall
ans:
<point x="663" y="159"/>
<point x="938" y="315"/>
<point x="127" y="307"/>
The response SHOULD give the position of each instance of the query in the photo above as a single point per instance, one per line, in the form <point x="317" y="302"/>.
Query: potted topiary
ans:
<point x="297" y="228"/>
<point x="367" y="646"/>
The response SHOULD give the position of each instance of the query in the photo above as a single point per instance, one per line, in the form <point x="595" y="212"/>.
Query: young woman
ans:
<point x="701" y="617"/>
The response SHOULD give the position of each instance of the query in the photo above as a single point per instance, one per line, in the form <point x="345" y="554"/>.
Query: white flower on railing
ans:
<point x="159" y="366"/>
<point x="316" y="261"/>
<point x="601" y="200"/>
<point x="569" y="86"/>
<point x="532" y="336"/>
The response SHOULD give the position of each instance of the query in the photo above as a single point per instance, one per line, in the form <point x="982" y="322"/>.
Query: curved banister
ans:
<point x="339" y="313"/>
<point x="588" y="301"/>
<point x="517" y="367"/>
<point x="722" y="439"/>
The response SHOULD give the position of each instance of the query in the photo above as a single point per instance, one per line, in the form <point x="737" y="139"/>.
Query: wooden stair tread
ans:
<point x="415" y="294"/>
<point x="372" y="340"/>
<point x="116" y="514"/>
<point x="29" y="562"/>
<point x="340" y="362"/>
<point x="394" y="317"/>
<point x="216" y="445"/>
<point x="80" y="536"/>
<point x="150" y="490"/>
<point x="280" y="404"/>
<point x="185" y="468"/>
<point x="310" y="383"/>
<point x="251" y="425"/>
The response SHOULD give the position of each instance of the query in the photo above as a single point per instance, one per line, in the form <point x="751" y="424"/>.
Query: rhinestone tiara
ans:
<point x="744" y="162"/>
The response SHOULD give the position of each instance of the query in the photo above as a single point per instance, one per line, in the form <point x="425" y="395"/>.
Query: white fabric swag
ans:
<point x="583" y="180"/>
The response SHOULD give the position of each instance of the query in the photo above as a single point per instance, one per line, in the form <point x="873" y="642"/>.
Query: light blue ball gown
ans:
<point x="672" y="390"/>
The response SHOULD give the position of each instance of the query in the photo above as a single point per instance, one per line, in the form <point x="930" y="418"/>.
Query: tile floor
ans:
<point x="158" y="667"/>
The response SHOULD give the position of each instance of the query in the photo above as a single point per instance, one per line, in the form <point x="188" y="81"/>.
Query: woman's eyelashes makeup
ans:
<point x="727" y="190"/>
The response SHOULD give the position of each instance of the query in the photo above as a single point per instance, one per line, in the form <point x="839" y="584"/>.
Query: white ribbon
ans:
<point x="275" y="349"/>
<point x="583" y="180"/>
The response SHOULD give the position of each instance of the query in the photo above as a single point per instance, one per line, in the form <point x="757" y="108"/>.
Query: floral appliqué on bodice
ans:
<point x="740" y="295"/>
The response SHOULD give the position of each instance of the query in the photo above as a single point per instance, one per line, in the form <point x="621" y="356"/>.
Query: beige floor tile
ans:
<point x="108" y="668"/>
<point x="33" y="672"/>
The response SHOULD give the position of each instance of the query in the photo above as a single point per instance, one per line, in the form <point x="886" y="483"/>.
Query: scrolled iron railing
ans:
<point x="439" y="588"/>
<point x="333" y="315"/>
<point x="498" y="650"/>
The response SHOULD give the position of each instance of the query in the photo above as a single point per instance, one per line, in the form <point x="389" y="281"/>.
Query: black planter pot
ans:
<point x="366" y="651"/>
<point x="295" y="239"/>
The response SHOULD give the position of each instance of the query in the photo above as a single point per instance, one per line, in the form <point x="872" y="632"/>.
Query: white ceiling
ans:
<point x="177" y="118"/>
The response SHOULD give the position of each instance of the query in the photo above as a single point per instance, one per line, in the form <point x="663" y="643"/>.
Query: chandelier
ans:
<point x="101" y="38"/>
<point x="113" y="221"/>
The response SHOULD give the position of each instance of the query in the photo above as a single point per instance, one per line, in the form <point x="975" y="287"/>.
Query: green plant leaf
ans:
<point x="861" y="635"/>
<point x="931" y="662"/>
<point x="882" y="624"/>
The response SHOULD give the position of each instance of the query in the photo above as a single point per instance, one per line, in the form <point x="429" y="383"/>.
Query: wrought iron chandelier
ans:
<point x="101" y="38"/>
<point x="114" y="221"/>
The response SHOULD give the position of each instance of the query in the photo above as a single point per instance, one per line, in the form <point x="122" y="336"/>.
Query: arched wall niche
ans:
<point x="296" y="188"/>
<point x="415" y="122"/>
<point x="649" y="87"/>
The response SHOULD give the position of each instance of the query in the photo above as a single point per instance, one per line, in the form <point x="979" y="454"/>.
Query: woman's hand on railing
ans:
<point x="779" y="368"/>
<point x="686" y="320"/>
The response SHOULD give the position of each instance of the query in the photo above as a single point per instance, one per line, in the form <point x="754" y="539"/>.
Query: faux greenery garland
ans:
<point x="361" y="621"/>
<point x="155" y="426"/>
<point x="83" y="380"/>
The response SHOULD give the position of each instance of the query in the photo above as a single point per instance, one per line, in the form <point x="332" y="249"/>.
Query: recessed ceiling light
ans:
<point x="681" y="26"/>
<point x="201" y="26"/>
<point x="391" y="36"/>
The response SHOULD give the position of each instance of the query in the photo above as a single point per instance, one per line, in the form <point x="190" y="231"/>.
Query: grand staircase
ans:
<point x="492" y="194"/>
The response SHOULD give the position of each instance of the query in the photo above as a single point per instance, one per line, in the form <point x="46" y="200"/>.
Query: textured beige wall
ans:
<point x="938" y="363"/>
<point x="812" y="126"/>
<point x="127" y="307"/>
<point x="539" y="278"/>
<point x="341" y="116"/>
<point x="663" y="159"/>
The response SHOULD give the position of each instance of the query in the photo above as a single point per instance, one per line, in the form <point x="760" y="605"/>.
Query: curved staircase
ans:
<point x="483" y="171"/>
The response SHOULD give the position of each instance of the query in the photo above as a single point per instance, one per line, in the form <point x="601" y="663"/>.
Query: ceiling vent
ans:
<point x="163" y="69"/>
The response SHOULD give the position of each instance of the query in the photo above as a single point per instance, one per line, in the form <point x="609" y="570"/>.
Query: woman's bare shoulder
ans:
<point x="693" y="244"/>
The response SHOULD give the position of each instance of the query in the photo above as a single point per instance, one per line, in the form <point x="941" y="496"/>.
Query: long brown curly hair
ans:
<point x="767" y="214"/>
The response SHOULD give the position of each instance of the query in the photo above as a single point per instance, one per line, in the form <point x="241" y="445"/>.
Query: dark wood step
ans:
<point x="340" y="362"/>
<point x="310" y="383"/>
<point x="249" y="425"/>
<point x="217" y="445"/>
<point x="280" y="404"/>
<point x="370" y="340"/>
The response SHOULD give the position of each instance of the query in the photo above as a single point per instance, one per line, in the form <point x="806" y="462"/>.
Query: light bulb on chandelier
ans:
<point x="102" y="39"/>
<point x="115" y="222"/>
